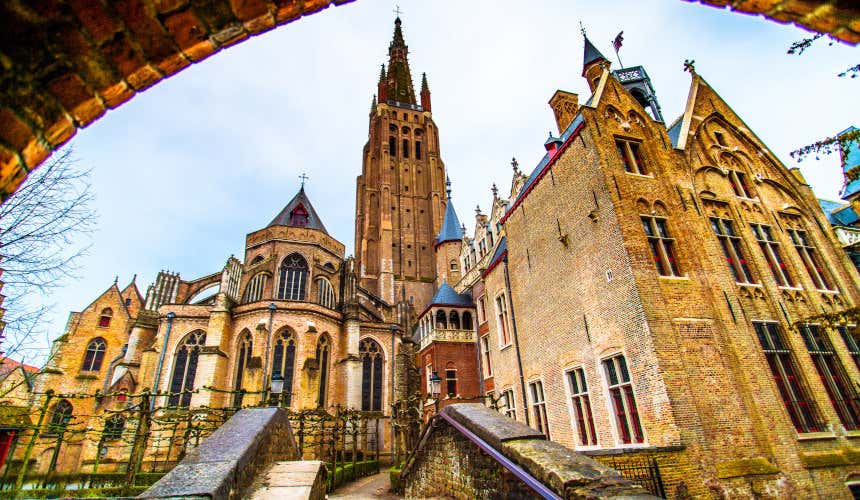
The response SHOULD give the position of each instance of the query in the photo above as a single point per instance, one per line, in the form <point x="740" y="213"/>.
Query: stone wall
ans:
<point x="226" y="463"/>
<point x="448" y="464"/>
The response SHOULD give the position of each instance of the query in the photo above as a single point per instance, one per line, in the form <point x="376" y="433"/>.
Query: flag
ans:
<point x="616" y="44"/>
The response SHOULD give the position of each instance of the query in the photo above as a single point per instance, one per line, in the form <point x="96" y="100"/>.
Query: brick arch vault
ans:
<point x="64" y="63"/>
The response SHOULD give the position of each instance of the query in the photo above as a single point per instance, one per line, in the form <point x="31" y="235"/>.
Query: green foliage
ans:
<point x="394" y="479"/>
<point x="344" y="473"/>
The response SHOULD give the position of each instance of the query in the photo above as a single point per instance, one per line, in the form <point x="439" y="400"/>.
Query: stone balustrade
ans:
<point x="447" y="335"/>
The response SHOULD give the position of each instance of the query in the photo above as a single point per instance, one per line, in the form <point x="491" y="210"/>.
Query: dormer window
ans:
<point x="299" y="217"/>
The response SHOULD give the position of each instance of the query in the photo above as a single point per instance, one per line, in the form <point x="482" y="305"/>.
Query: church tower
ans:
<point x="400" y="194"/>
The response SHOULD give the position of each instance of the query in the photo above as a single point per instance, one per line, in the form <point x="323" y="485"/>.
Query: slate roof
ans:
<point x="451" y="228"/>
<point x="838" y="213"/>
<point x="446" y="296"/>
<point x="283" y="218"/>
<point x="590" y="54"/>
<point x="675" y="131"/>
<point x="501" y="249"/>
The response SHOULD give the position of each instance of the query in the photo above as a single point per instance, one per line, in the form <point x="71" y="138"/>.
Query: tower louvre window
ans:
<point x="770" y="248"/>
<point x="406" y="148"/>
<point x="730" y="242"/>
<point x="623" y="400"/>
<point x="801" y="409"/>
<point x="662" y="245"/>
<point x="418" y="151"/>
<point x="392" y="146"/>
<point x="836" y="382"/>
<point x="631" y="157"/>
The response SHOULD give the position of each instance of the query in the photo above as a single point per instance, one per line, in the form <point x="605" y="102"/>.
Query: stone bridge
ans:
<point x="64" y="63"/>
<point x="468" y="451"/>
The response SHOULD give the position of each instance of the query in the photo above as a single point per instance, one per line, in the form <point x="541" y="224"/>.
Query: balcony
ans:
<point x="445" y="335"/>
<point x="847" y="235"/>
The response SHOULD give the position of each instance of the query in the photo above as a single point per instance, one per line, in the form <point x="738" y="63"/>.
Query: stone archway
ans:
<point x="64" y="63"/>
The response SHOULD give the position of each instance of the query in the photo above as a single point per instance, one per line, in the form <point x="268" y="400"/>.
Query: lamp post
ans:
<point x="277" y="388"/>
<point x="435" y="389"/>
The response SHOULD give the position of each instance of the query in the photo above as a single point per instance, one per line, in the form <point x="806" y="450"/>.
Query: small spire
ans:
<point x="116" y="279"/>
<point x="373" y="104"/>
<point x="495" y="190"/>
<point x="398" y="34"/>
<point x="515" y="165"/>
<point x="477" y="209"/>
<point x="134" y="278"/>
<point x="424" y="86"/>
<point x="448" y="186"/>
<point x="463" y="227"/>
<point x="382" y="73"/>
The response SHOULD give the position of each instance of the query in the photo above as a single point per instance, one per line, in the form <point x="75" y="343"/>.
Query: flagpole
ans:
<point x="616" y="44"/>
<point x="619" y="59"/>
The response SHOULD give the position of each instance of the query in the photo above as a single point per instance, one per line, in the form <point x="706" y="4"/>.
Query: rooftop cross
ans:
<point x="690" y="65"/>
<point x="397" y="10"/>
<point x="303" y="177"/>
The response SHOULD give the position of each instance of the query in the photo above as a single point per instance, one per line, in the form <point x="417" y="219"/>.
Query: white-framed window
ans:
<point x="482" y="310"/>
<point x="770" y="248"/>
<point x="622" y="399"/>
<point x="255" y="288"/>
<point x="808" y="254"/>
<point x="581" y="405"/>
<point x="325" y="293"/>
<point x="508" y="404"/>
<point x="539" y="407"/>
<point x="502" y="317"/>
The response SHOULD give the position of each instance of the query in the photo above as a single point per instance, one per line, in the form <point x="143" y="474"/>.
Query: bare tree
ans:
<point x="44" y="229"/>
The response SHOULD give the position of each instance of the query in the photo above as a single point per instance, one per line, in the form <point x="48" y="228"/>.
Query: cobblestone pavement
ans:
<point x="375" y="486"/>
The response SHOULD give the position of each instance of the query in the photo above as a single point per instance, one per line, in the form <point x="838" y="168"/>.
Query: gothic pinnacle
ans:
<point x="424" y="86"/>
<point x="495" y="190"/>
<point x="448" y="186"/>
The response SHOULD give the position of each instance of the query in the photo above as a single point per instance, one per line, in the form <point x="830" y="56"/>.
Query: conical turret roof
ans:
<point x="299" y="205"/>
<point x="591" y="54"/>
<point x="451" y="229"/>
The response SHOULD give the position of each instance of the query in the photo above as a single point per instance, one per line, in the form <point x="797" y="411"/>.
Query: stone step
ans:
<point x="305" y="479"/>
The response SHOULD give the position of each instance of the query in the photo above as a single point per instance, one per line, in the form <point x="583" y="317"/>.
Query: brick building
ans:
<point x="336" y="330"/>
<point x="649" y="296"/>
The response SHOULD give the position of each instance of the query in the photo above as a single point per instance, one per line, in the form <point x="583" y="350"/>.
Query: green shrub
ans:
<point x="394" y="479"/>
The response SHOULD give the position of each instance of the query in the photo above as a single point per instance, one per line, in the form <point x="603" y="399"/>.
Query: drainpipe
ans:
<point x="111" y="368"/>
<point x="272" y="308"/>
<point x="394" y="330"/>
<point x="170" y="317"/>
<point x="516" y="341"/>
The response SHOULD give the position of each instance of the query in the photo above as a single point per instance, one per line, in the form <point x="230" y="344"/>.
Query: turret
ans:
<point x="592" y="64"/>
<point x="448" y="243"/>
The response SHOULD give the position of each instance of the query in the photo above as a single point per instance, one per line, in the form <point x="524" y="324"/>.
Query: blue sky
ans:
<point x="184" y="170"/>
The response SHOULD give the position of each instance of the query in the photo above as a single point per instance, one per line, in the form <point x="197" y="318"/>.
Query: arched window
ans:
<point x="417" y="150"/>
<point x="299" y="216"/>
<point x="105" y="317"/>
<point x="467" y="321"/>
<point x="185" y="368"/>
<point x="245" y="347"/>
<point x="114" y="426"/>
<point x="61" y="416"/>
<point x="325" y="293"/>
<point x="371" y="375"/>
<point x="441" y="320"/>
<point x="284" y="361"/>
<point x="294" y="277"/>
<point x="94" y="355"/>
<point x="455" y="320"/>
<point x="392" y="146"/>
<point x="254" y="292"/>
<point x="322" y="357"/>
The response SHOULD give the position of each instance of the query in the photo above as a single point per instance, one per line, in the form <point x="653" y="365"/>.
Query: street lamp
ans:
<point x="277" y="387"/>
<point x="435" y="389"/>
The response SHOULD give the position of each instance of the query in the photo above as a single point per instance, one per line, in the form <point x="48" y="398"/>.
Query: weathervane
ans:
<point x="581" y="28"/>
<point x="303" y="177"/>
<point x="690" y="66"/>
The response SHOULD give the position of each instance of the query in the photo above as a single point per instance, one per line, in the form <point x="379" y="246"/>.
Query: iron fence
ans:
<point x="643" y="471"/>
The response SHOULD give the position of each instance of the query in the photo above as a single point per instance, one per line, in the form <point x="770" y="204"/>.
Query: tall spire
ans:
<point x="425" y="93"/>
<point x="399" y="79"/>
<point x="451" y="230"/>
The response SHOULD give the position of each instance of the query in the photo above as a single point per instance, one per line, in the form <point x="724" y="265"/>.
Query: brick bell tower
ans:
<point x="400" y="194"/>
